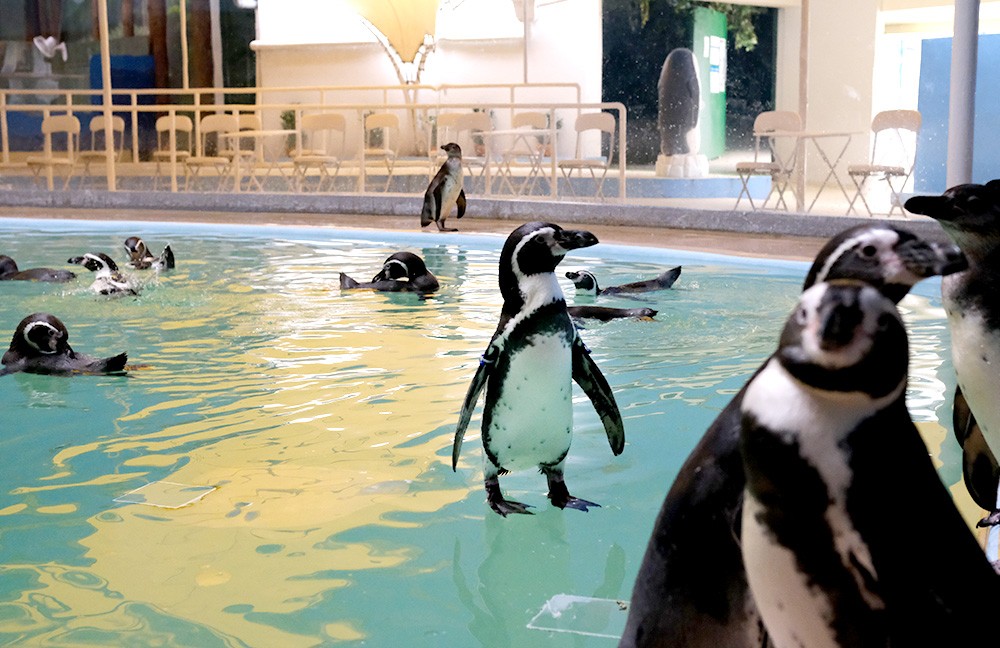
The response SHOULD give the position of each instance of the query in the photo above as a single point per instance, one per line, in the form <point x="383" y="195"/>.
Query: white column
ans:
<point x="962" y="100"/>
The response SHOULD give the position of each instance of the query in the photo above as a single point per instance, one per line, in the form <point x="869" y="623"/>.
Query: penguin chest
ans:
<point x="529" y="413"/>
<point x="450" y="188"/>
<point x="975" y="350"/>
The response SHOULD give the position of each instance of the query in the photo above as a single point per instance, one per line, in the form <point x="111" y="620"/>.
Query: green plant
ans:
<point x="288" y="123"/>
<point x="739" y="18"/>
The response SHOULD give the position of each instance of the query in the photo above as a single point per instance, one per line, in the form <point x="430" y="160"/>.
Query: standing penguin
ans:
<point x="691" y="589"/>
<point x="528" y="369"/>
<point x="829" y="450"/>
<point x="41" y="345"/>
<point x="970" y="214"/>
<point x="445" y="191"/>
<point x="401" y="272"/>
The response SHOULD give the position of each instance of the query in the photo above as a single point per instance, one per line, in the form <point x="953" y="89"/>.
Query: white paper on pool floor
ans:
<point x="165" y="494"/>
<point x="583" y="615"/>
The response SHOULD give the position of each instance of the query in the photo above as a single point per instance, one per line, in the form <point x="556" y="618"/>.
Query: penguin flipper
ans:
<point x="427" y="214"/>
<point x="486" y="364"/>
<point x="460" y="204"/>
<point x="980" y="469"/>
<point x="167" y="258"/>
<point x="588" y="375"/>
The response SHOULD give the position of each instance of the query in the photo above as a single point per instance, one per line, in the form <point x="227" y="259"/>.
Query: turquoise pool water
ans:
<point x="313" y="430"/>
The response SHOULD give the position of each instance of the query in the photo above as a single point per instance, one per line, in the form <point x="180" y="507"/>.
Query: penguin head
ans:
<point x="401" y="265"/>
<point x="535" y="249"/>
<point x="845" y="336"/>
<point x="889" y="258"/>
<point x="7" y="266"/>
<point x="136" y="249"/>
<point x="39" y="334"/>
<point x="584" y="281"/>
<point x="452" y="149"/>
<point x="970" y="213"/>
<point x="96" y="262"/>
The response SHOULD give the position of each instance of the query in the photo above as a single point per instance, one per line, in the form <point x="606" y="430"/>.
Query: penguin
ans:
<point x="585" y="282"/>
<point x="401" y="272"/>
<point x="41" y="345"/>
<point x="108" y="280"/>
<point x="606" y="314"/>
<point x="828" y="451"/>
<point x="140" y="257"/>
<point x="691" y="587"/>
<point x="970" y="215"/>
<point x="445" y="191"/>
<point x="527" y="370"/>
<point x="10" y="272"/>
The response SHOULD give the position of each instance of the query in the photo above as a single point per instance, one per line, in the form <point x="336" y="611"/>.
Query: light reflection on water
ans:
<point x="325" y="421"/>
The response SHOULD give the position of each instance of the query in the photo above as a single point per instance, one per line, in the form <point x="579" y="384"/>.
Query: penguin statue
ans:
<point x="829" y="450"/>
<point x="970" y="214"/>
<point x="108" y="280"/>
<point x="41" y="345"/>
<point x="10" y="272"/>
<point x="401" y="272"/>
<point x="586" y="283"/>
<point x="528" y="369"/>
<point x="691" y="588"/>
<point x="140" y="258"/>
<point x="679" y="93"/>
<point x="445" y="191"/>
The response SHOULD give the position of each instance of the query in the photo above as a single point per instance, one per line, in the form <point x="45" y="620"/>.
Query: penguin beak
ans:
<point x="838" y="324"/>
<point x="574" y="239"/>
<point x="381" y="276"/>
<point x="933" y="259"/>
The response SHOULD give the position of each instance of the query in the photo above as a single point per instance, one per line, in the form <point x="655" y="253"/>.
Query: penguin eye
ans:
<point x="869" y="251"/>
<point x="801" y="316"/>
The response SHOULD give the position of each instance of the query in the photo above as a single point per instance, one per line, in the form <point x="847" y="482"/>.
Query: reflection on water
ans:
<point x="323" y="421"/>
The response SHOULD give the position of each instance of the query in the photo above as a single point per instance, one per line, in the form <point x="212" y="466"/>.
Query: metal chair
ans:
<point x="469" y="134"/>
<point x="601" y="123"/>
<point x="214" y="151"/>
<point x="381" y="135"/>
<point x="98" y="134"/>
<point x="322" y="138"/>
<point x="893" y="157"/>
<point x="173" y="142"/>
<point x="63" y="129"/>
<point x="523" y="151"/>
<point x="780" y="162"/>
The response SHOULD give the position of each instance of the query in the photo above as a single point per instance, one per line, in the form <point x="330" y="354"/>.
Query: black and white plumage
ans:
<point x="108" y="280"/>
<point x="691" y="589"/>
<point x="970" y="214"/>
<point x="10" y="272"/>
<point x="528" y="369"/>
<point x="829" y="451"/>
<point x="585" y="282"/>
<point x="445" y="191"/>
<point x="41" y="345"/>
<point x="401" y="272"/>
<point x="607" y="313"/>
<point x="140" y="258"/>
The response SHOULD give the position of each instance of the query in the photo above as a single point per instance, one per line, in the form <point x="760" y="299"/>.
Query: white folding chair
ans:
<point x="173" y="141"/>
<point x="469" y="133"/>
<point x="894" y="144"/>
<point x="214" y="150"/>
<point x="62" y="144"/>
<point x="523" y="151"/>
<point x="322" y="138"/>
<point x="98" y="135"/>
<point x="602" y="123"/>
<point x="780" y="162"/>
<point x="381" y="135"/>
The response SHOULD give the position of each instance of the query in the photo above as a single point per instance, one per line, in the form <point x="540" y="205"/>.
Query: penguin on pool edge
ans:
<point x="40" y="344"/>
<point x="970" y="215"/>
<point x="829" y="451"/>
<point x="445" y="191"/>
<point x="691" y="587"/>
<point x="528" y="369"/>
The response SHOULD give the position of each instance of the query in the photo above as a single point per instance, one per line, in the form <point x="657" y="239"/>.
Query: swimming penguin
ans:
<point x="691" y="589"/>
<point x="401" y="272"/>
<point x="528" y="369"/>
<point x="10" y="272"/>
<point x="108" y="280"/>
<point x="606" y="314"/>
<point x="585" y="282"/>
<point x="970" y="214"/>
<point x="140" y="258"/>
<point x="829" y="450"/>
<point x="445" y="191"/>
<point x="41" y="345"/>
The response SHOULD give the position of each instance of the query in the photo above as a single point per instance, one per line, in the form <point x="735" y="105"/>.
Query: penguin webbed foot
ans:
<point x="993" y="519"/>
<point x="559" y="494"/>
<point x="503" y="506"/>
<point x="442" y="228"/>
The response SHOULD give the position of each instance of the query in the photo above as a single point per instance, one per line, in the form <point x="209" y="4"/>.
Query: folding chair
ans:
<point x="893" y="157"/>
<point x="524" y="151"/>
<point x="98" y="135"/>
<point x="781" y="160"/>
<point x="601" y="123"/>
<point x="214" y="150"/>
<point x="57" y="129"/>
<point x="381" y="133"/>
<point x="322" y="137"/>
<point x="173" y="141"/>
<point x="469" y="134"/>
